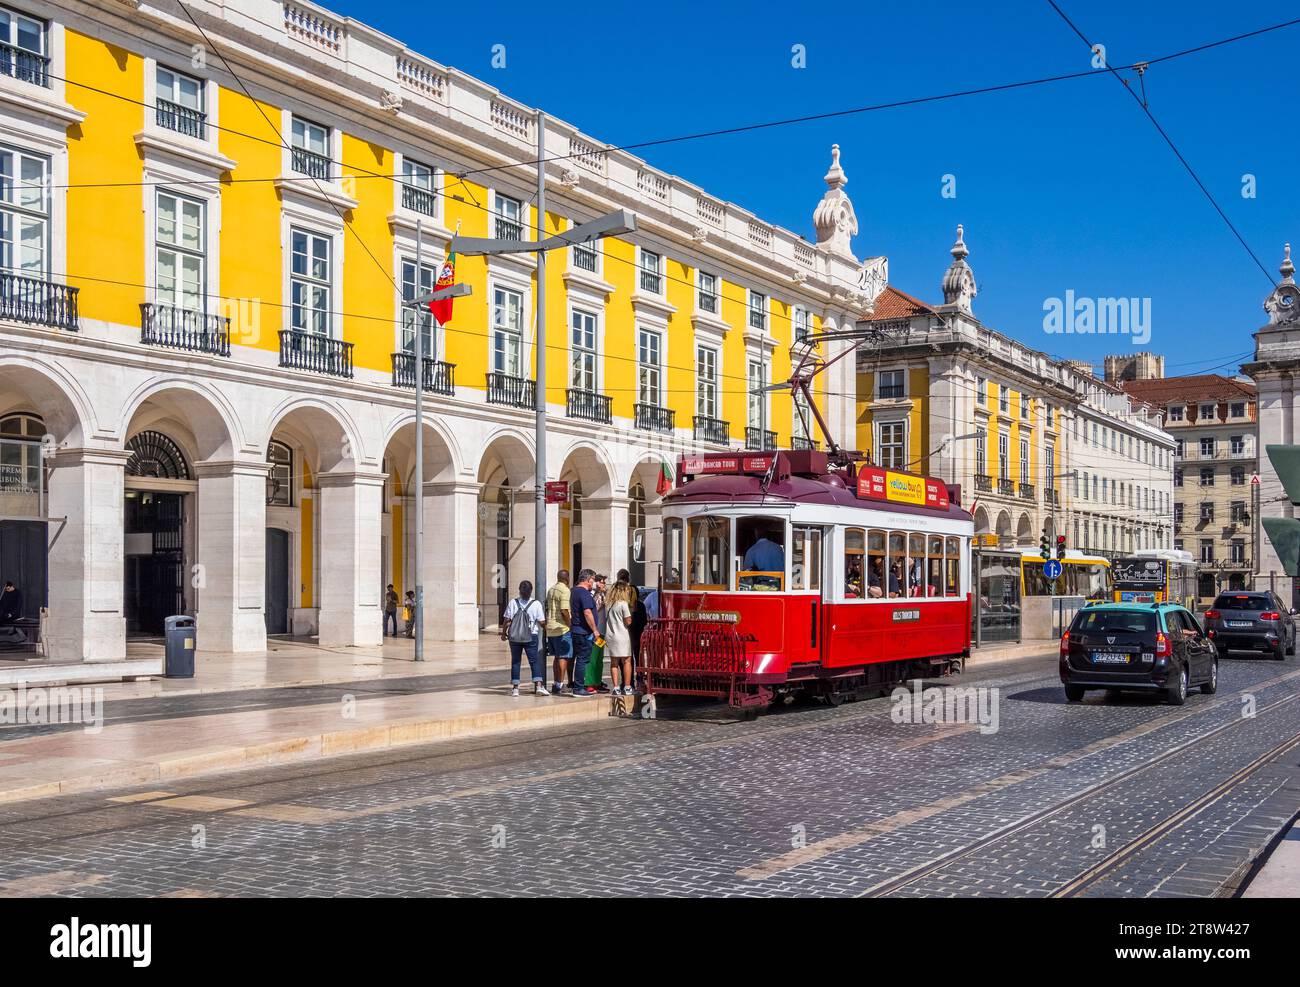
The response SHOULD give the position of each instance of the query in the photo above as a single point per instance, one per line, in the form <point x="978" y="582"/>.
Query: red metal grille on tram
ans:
<point x="693" y="657"/>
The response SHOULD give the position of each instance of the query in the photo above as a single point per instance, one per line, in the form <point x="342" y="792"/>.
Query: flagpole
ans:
<point x="419" y="449"/>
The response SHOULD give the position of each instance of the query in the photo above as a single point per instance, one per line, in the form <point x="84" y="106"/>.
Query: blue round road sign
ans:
<point x="1052" y="569"/>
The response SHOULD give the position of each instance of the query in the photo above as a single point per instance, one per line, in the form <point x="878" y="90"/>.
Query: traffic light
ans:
<point x="1060" y="546"/>
<point x="1043" y="548"/>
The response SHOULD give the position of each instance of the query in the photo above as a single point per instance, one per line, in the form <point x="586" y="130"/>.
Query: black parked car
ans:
<point x="1153" y="647"/>
<point x="1252" y="620"/>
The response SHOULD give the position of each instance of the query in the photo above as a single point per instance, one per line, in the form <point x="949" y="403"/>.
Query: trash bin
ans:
<point x="179" y="662"/>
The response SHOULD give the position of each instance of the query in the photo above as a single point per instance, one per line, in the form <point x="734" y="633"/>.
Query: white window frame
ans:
<point x="761" y="310"/>
<point x="423" y="280"/>
<point x="881" y="376"/>
<point x="41" y="215"/>
<point x="159" y="247"/>
<point x="331" y="282"/>
<point x="501" y="331"/>
<point x="589" y="353"/>
<point x="650" y="376"/>
<point x="706" y="381"/>
<point x="715" y="293"/>
<point x="649" y="263"/>
<point x="891" y="451"/>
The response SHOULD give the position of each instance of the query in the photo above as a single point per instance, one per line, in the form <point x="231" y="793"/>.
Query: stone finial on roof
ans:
<point x="1287" y="270"/>
<point x="834" y="219"/>
<point x="959" y="280"/>
<point x="1283" y="302"/>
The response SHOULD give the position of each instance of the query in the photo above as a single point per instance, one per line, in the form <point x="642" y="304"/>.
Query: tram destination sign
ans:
<point x="736" y="463"/>
<point x="875" y="483"/>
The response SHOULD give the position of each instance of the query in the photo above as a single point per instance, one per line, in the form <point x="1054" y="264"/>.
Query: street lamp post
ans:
<point x="421" y="301"/>
<point x="611" y="224"/>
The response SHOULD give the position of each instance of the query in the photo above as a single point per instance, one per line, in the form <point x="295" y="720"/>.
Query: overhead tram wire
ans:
<point x="1169" y="140"/>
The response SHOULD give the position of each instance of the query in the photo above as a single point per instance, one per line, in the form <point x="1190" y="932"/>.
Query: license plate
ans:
<point x="1109" y="658"/>
<point x="1239" y="623"/>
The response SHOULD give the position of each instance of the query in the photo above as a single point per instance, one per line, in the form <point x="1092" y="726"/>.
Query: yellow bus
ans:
<point x="1088" y="576"/>
<point x="1157" y="575"/>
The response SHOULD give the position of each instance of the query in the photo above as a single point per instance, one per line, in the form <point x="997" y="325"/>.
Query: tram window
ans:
<point x="710" y="547"/>
<point x="854" y="550"/>
<point x="916" y="565"/>
<point x="934" y="565"/>
<point x="672" y="573"/>
<point x="897" y="563"/>
<point x="876" y="580"/>
<point x="806" y="559"/>
<point x="760" y="554"/>
<point x="952" y="560"/>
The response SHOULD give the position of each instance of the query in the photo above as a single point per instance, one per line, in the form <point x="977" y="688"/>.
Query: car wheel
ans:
<point x="1290" y="648"/>
<point x="1074" y="693"/>
<point x="1178" y="688"/>
<point x="1279" y="652"/>
<point x="1212" y="685"/>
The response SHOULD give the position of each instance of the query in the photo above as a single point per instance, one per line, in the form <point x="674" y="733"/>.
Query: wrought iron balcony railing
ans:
<point x="588" y="405"/>
<point x="806" y="444"/>
<point x="584" y="257"/>
<point x="1051" y="495"/>
<point x="439" y="377"/>
<point x="182" y="119"/>
<point x="983" y="483"/>
<point x="310" y="163"/>
<point x="1006" y="486"/>
<point x="517" y="392"/>
<point x="508" y="229"/>
<point x="181" y="329"/>
<point x="318" y="354"/>
<point x="892" y="391"/>
<point x="759" y="440"/>
<point x="708" y="302"/>
<point x="653" y="418"/>
<point x="711" y="429"/>
<point x="419" y="200"/>
<point x="1027" y="491"/>
<point x="26" y="66"/>
<point x="650" y="281"/>
<point x="37" y="301"/>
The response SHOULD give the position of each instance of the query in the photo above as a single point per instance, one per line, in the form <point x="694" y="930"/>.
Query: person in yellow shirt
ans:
<point x="559" y="642"/>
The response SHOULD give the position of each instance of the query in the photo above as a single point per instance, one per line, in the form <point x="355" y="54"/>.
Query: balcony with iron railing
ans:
<point x="439" y="377"/>
<point x="314" y="353"/>
<point x="508" y="229"/>
<point x="182" y="119"/>
<point x="37" y="301"/>
<point x="983" y="483"/>
<point x="890" y="392"/>
<point x="759" y="440"/>
<point x="590" y="406"/>
<point x="708" y="429"/>
<point x="653" y="418"/>
<point x="708" y="302"/>
<point x="181" y="329"/>
<point x="419" y="200"/>
<point x="516" y="392"/>
<point x="758" y="320"/>
<point x="307" y="162"/>
<point x="651" y="281"/>
<point x="584" y="257"/>
<point x="1026" y="491"/>
<point x="26" y="66"/>
<point x="799" y="443"/>
<point x="1052" y="496"/>
<point x="1006" y="486"/>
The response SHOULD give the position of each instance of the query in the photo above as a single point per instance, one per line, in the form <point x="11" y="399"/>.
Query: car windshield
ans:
<point x="1242" y="602"/>
<point x="1115" y="622"/>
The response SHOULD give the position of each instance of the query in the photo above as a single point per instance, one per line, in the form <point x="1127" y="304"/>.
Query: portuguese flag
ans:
<point x="664" y="484"/>
<point x="446" y="278"/>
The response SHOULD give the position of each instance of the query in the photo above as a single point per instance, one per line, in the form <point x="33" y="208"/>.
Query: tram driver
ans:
<point x="764" y="560"/>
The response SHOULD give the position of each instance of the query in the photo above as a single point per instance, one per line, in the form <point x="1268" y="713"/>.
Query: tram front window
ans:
<point x="854" y="540"/>
<point x="760" y="545"/>
<point x="952" y="576"/>
<point x="710" y="548"/>
<point x="934" y="566"/>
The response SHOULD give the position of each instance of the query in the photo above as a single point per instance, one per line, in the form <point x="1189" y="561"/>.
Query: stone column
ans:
<point x="230" y="580"/>
<point x="604" y="534"/>
<point x="523" y="535"/>
<point x="451" y="534"/>
<point x="351" y="585"/>
<point x="87" y="621"/>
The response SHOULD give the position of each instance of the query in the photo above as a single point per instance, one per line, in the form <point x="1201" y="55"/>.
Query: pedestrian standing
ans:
<point x="584" y="630"/>
<point x="390" y="610"/>
<point x="521" y="626"/>
<point x="618" y="637"/>
<point x="408" y="613"/>
<point x="11" y="603"/>
<point x="559" y="641"/>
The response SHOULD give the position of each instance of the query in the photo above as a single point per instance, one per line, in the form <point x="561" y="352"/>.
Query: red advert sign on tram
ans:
<point x="877" y="483"/>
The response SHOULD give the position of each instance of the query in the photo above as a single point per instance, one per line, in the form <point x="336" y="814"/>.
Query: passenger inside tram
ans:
<point x="762" y="567"/>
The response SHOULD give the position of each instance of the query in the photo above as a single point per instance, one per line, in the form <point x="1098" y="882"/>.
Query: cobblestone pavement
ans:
<point x="804" y="801"/>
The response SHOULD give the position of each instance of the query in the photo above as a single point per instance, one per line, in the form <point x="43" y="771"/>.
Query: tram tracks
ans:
<point x="1109" y="864"/>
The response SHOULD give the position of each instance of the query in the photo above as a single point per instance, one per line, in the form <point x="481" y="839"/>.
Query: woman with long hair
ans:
<point x="618" y="636"/>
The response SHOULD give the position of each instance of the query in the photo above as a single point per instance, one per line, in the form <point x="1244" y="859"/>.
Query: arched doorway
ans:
<point x="157" y="536"/>
<point x="505" y="524"/>
<point x="23" y="554"/>
<point x="637" y="533"/>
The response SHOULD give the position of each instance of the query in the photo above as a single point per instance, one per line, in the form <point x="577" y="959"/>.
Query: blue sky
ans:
<point x="1060" y="187"/>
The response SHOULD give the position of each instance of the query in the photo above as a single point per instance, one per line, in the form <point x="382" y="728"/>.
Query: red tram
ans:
<point x="788" y="573"/>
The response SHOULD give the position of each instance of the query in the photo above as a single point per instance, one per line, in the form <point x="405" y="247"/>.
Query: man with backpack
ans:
<point x="521" y="626"/>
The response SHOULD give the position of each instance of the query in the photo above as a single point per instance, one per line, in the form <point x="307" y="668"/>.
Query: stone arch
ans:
<point x="50" y="393"/>
<point x="1004" y="529"/>
<point x="324" y="432"/>
<point x="198" y="417"/>
<point x="1025" y="532"/>
<point x="982" y="521"/>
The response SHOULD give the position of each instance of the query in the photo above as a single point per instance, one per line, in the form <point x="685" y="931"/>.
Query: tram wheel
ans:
<point x="834" y="697"/>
